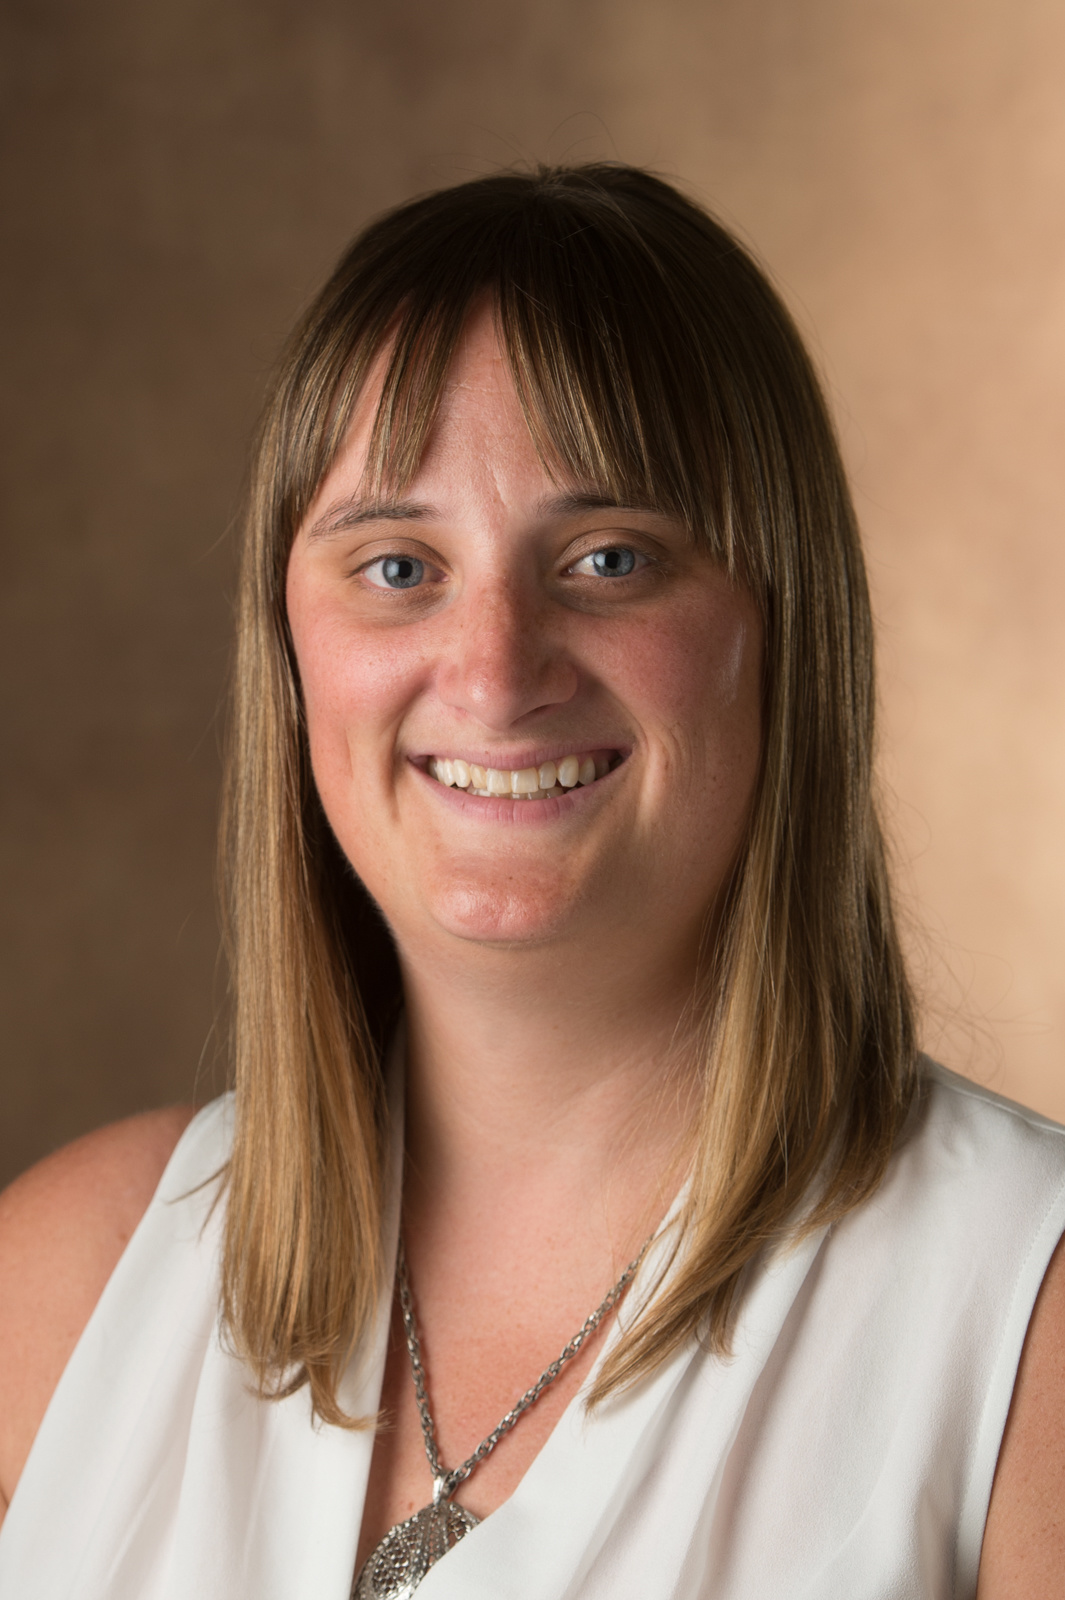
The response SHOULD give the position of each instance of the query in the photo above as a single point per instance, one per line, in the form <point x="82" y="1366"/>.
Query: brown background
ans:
<point x="179" y="175"/>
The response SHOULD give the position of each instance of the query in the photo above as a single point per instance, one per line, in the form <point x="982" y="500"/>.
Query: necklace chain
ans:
<point x="445" y="1483"/>
<point x="395" y="1568"/>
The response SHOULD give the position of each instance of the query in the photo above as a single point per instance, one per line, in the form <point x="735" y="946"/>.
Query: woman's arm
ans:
<point x="63" y="1226"/>
<point x="1023" y="1555"/>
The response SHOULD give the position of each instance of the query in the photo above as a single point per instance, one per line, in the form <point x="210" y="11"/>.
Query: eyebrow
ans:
<point x="355" y="511"/>
<point x="562" y="505"/>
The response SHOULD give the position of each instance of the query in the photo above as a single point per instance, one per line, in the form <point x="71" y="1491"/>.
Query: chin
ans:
<point x="502" y="915"/>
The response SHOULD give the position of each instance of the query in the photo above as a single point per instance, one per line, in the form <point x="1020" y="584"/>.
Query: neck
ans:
<point x="544" y="1085"/>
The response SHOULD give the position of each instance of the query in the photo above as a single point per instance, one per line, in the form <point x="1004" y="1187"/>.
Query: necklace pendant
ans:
<point x="397" y="1566"/>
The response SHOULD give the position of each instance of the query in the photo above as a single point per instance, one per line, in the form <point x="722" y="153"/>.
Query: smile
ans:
<point x="546" y="781"/>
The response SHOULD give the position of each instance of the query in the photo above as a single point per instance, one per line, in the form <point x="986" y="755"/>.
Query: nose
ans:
<point x="502" y="662"/>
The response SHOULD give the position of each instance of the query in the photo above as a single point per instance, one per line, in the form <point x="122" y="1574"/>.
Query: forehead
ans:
<point x="474" y="439"/>
<point x="479" y="442"/>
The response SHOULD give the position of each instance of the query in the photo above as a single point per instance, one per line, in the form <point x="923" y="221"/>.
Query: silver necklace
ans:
<point x="395" y="1567"/>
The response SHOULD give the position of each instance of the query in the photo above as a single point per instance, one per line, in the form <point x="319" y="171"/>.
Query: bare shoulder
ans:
<point x="63" y="1226"/>
<point x="1023" y="1555"/>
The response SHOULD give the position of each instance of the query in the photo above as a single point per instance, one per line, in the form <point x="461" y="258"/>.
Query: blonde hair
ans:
<point x="655" y="365"/>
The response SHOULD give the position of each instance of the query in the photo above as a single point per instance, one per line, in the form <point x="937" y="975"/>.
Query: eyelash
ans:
<point x="639" y="560"/>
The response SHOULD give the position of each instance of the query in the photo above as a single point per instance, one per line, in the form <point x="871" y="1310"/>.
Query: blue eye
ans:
<point x="395" y="572"/>
<point x="616" y="562"/>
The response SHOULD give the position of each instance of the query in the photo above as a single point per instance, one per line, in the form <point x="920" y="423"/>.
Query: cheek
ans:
<point x="355" y="687"/>
<point x="695" y="676"/>
<point x="348" y="684"/>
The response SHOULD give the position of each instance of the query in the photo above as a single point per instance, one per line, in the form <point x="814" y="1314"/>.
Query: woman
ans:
<point x="563" y="951"/>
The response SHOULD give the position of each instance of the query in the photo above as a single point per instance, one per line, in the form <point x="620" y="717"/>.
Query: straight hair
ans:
<point x="654" y="365"/>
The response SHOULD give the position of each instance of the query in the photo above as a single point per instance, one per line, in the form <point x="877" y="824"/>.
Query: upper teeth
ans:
<point x="525" y="783"/>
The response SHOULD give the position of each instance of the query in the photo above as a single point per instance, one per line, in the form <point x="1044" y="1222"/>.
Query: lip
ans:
<point x="529" y="813"/>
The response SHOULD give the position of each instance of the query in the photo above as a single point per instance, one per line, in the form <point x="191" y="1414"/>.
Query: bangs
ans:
<point x="634" y="372"/>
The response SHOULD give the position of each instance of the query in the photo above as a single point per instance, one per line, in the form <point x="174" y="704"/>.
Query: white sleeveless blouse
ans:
<point x="845" y="1450"/>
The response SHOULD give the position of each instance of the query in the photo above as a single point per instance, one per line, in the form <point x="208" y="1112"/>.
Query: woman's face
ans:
<point x="495" y="619"/>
